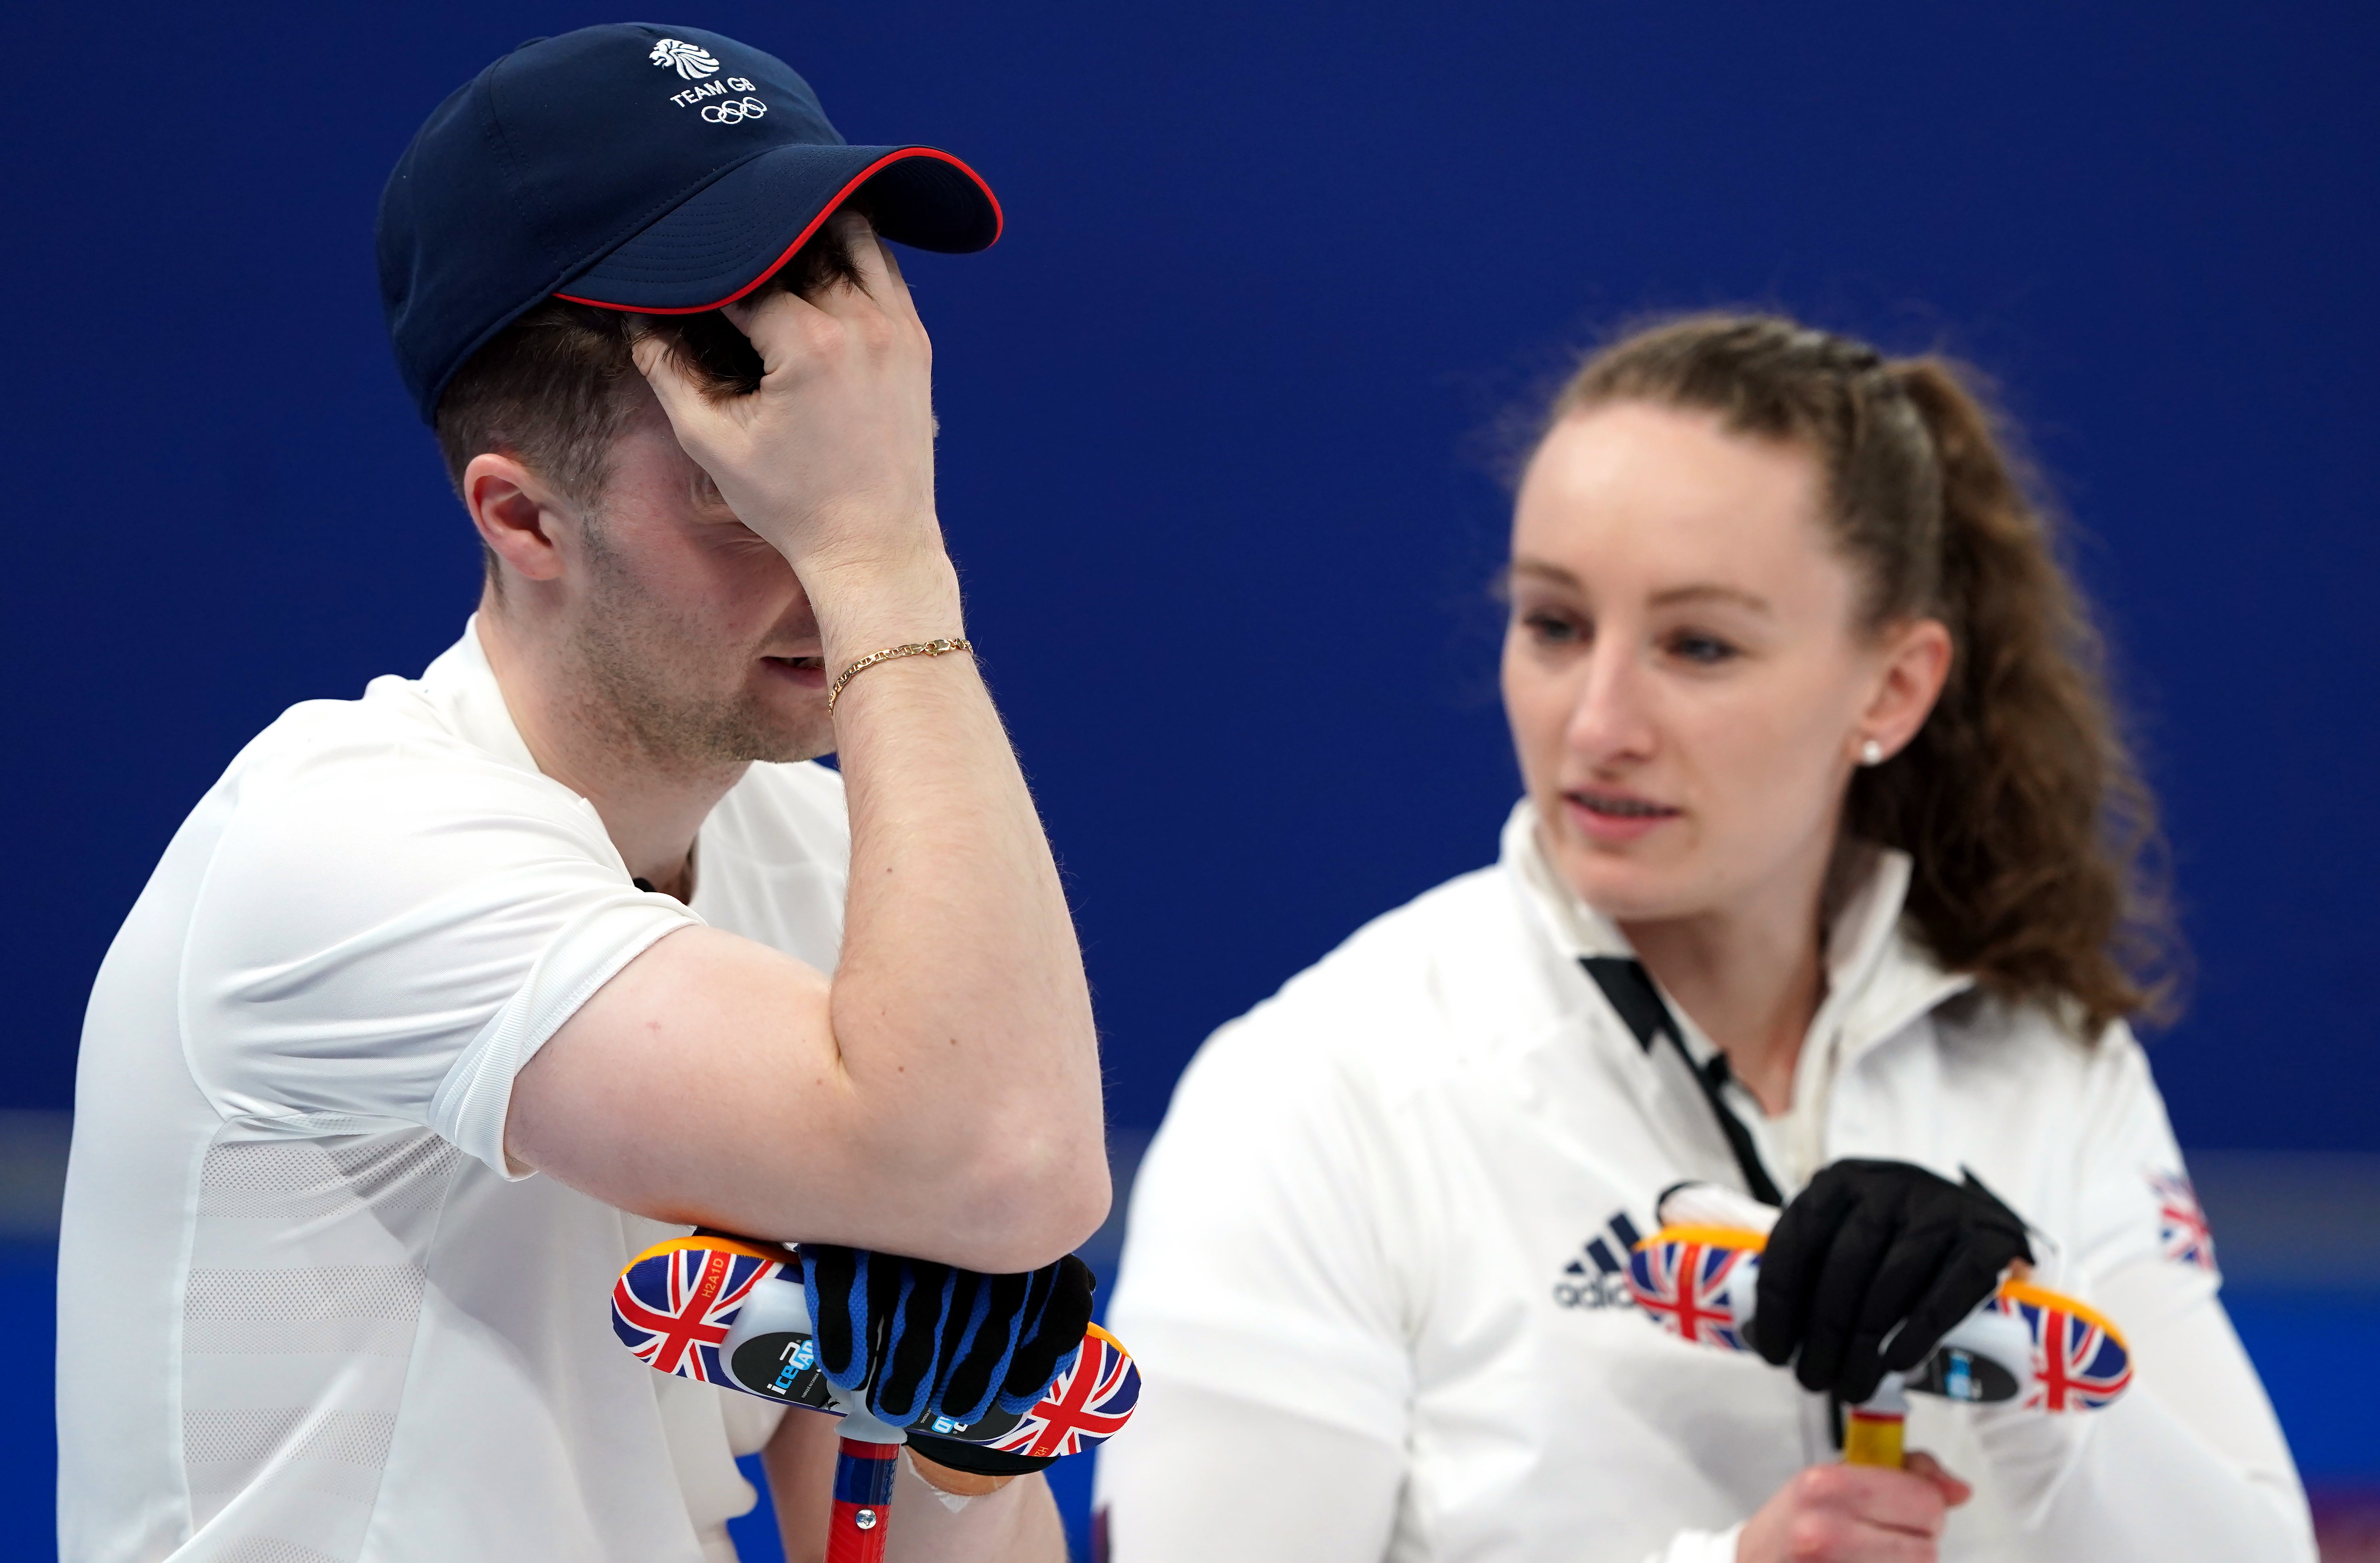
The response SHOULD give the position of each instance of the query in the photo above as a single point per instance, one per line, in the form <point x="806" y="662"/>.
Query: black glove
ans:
<point x="930" y="1339"/>
<point x="1870" y="1245"/>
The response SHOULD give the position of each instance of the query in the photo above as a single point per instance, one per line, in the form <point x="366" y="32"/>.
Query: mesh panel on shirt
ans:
<point x="382" y="1169"/>
<point x="307" y="1178"/>
<point x="270" y="1434"/>
<point x="305" y="1286"/>
<point x="301" y="1338"/>
<point x="272" y="1549"/>
<point x="346" y="1292"/>
<point x="270" y="1179"/>
<point x="368" y="1310"/>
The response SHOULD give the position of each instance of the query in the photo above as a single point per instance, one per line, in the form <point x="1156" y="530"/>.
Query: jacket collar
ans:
<point x="1879" y="978"/>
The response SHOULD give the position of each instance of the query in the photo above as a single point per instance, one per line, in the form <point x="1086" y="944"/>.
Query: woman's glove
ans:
<point x="1872" y="1249"/>
<point x="928" y="1339"/>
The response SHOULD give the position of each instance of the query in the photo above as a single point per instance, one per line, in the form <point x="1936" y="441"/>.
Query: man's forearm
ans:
<point x="956" y="1064"/>
<point x="959" y="1000"/>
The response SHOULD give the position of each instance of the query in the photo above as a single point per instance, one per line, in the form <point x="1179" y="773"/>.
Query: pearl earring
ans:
<point x="1871" y="753"/>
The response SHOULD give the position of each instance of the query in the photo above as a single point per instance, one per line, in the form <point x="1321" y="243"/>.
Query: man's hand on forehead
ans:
<point x="832" y="458"/>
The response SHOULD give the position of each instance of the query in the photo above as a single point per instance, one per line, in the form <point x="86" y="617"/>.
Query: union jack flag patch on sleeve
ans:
<point x="2182" y="1231"/>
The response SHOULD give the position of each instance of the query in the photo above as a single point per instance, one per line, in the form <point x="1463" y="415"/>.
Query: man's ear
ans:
<point x="1916" y="664"/>
<point x="515" y="511"/>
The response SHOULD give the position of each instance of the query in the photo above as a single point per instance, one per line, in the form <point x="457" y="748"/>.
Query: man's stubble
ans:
<point x="650" y="681"/>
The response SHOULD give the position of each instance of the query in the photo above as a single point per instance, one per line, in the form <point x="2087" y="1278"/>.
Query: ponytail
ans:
<point x="2034" y="836"/>
<point x="2028" y="822"/>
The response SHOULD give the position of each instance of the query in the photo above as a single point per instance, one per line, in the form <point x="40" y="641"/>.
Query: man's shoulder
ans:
<point x="388" y="790"/>
<point x="391" y="740"/>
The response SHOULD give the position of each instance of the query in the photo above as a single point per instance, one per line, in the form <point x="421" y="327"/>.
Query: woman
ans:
<point x="1822" y="885"/>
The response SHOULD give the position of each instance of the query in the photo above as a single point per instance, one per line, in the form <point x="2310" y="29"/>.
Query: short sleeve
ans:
<point x="2136" y="1205"/>
<point x="391" y="930"/>
<point x="1261" y="1260"/>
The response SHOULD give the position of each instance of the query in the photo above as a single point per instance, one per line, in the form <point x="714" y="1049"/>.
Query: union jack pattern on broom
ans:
<point x="673" y="1306"/>
<point x="1685" y="1277"/>
<point x="1085" y="1407"/>
<point x="1679" y="1276"/>
<point x="2079" y="1361"/>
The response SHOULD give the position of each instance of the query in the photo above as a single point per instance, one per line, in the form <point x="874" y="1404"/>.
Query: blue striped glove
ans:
<point x="932" y="1339"/>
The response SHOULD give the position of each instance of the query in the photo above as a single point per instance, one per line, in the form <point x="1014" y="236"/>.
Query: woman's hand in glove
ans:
<point x="1871" y="1265"/>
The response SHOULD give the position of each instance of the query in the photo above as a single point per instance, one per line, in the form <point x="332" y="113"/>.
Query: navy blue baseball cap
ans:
<point x="663" y="170"/>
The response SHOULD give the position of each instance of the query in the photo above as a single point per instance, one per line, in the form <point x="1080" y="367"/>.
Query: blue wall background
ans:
<point x="1213" y="460"/>
<point x="1211" y="413"/>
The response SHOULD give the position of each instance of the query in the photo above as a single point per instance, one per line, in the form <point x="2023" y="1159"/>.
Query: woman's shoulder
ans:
<point x="2072" y="1131"/>
<point x="1404" y="997"/>
<point x="2039" y="1048"/>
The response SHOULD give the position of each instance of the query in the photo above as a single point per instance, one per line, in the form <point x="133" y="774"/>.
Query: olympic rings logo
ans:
<point x="734" y="112"/>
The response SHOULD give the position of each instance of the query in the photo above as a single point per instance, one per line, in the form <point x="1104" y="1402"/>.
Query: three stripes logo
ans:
<point x="1597" y="1277"/>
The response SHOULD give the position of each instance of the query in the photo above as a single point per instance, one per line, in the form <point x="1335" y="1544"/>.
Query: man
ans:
<point x="445" y="1001"/>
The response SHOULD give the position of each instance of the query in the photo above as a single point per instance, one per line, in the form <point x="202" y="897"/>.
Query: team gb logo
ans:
<point x="692" y="61"/>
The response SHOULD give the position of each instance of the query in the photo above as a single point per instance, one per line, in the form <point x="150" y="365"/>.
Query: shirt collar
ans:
<point x="462" y="685"/>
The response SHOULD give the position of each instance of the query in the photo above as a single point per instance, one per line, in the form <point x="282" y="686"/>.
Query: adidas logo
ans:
<point x="1597" y="1276"/>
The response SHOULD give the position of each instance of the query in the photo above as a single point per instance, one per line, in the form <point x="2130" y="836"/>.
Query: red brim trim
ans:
<point x="999" y="223"/>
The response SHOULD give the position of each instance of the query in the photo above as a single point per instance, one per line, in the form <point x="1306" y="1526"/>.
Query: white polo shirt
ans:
<point x="1371" y="1274"/>
<point x="306" y="1314"/>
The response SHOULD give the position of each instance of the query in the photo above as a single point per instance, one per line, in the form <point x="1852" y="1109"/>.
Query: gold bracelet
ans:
<point x="915" y="648"/>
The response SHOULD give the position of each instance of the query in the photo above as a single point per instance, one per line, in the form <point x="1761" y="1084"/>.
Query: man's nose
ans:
<point x="1610" y="719"/>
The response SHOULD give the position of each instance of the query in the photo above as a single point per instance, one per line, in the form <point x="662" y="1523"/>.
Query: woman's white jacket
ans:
<point x="1370" y="1271"/>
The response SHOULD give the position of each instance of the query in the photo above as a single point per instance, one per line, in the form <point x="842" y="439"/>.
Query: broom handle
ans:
<point x="1873" y="1430"/>
<point x="863" y="1501"/>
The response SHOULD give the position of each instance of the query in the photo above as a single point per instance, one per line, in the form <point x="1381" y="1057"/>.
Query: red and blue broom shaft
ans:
<point x="863" y="1501"/>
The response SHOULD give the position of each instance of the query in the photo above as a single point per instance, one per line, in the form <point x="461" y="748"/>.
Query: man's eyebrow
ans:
<point x="1710" y="592"/>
